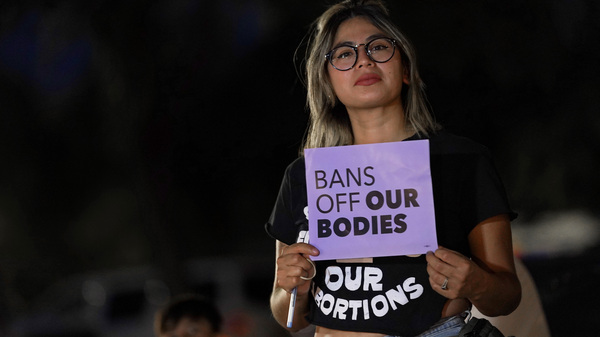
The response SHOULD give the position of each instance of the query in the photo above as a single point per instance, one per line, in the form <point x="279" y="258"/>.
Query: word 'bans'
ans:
<point x="350" y="178"/>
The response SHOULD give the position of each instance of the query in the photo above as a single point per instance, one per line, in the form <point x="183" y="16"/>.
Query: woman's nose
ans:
<point x="363" y="57"/>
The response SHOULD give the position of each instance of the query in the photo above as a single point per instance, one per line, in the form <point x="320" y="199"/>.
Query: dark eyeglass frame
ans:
<point x="367" y="50"/>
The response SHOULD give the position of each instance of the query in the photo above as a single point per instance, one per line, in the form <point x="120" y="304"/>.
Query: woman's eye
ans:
<point x="379" y="47"/>
<point x="344" y="53"/>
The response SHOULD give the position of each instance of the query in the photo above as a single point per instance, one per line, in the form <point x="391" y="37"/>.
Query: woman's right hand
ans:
<point x="292" y="264"/>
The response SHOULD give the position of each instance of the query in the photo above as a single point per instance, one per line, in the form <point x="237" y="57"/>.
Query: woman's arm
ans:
<point x="291" y="263"/>
<point x="489" y="280"/>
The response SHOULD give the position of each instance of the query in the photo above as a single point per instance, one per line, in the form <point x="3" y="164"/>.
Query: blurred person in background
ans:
<point x="189" y="316"/>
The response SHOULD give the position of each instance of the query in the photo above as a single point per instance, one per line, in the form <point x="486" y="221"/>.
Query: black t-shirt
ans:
<point x="392" y="295"/>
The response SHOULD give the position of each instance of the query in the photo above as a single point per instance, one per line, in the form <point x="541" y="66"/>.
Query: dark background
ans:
<point x="151" y="132"/>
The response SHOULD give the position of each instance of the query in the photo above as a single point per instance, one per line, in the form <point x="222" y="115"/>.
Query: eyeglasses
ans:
<point x="379" y="50"/>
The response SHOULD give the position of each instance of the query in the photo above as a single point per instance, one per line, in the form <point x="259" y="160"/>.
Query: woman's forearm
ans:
<point x="495" y="289"/>
<point x="498" y="295"/>
<point x="280" y="301"/>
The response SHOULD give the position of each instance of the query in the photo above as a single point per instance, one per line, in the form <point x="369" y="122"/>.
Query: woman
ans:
<point x="363" y="88"/>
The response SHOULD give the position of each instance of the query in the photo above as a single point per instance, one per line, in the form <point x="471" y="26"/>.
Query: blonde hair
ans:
<point x="329" y="122"/>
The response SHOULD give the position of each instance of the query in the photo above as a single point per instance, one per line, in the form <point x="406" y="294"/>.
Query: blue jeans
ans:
<point x="445" y="327"/>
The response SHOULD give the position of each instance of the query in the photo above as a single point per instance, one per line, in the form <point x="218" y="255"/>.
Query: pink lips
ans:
<point x="368" y="79"/>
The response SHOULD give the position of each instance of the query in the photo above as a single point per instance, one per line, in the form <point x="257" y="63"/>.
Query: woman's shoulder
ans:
<point x="295" y="171"/>
<point x="444" y="142"/>
<point x="296" y="166"/>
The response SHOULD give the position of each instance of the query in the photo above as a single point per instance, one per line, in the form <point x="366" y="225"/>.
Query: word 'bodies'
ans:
<point x="370" y="200"/>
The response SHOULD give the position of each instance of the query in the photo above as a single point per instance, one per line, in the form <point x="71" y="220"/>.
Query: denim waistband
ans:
<point x="445" y="327"/>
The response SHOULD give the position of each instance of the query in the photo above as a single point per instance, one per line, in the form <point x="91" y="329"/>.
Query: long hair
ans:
<point x="329" y="122"/>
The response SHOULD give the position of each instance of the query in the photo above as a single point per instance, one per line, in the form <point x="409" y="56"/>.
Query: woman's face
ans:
<point x="368" y="84"/>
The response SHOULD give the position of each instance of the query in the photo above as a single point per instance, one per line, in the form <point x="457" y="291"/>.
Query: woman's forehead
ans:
<point x="356" y="30"/>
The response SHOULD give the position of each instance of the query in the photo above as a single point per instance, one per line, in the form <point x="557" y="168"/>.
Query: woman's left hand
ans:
<point x="488" y="280"/>
<point x="452" y="274"/>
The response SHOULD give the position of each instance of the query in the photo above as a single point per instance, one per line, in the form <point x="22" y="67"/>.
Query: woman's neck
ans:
<point x="379" y="126"/>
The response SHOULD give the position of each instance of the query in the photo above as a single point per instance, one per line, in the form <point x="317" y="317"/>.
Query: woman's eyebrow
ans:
<point x="344" y="43"/>
<point x="353" y="43"/>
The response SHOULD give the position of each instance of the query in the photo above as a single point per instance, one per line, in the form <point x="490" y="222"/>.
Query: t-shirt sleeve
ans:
<point x="281" y="224"/>
<point x="489" y="197"/>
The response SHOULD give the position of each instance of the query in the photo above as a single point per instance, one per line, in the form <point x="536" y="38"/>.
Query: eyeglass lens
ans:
<point x="379" y="50"/>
